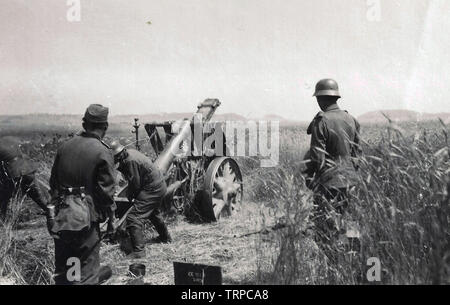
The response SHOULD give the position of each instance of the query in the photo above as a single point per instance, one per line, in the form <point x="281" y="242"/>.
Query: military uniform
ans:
<point x="82" y="186"/>
<point x="146" y="188"/>
<point x="18" y="172"/>
<point x="334" y="146"/>
<point x="332" y="170"/>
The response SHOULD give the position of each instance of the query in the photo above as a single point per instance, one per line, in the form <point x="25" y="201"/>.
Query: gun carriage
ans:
<point x="202" y="183"/>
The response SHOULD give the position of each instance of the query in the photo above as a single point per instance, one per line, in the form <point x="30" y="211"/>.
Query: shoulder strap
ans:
<point x="104" y="144"/>
<point x="318" y="116"/>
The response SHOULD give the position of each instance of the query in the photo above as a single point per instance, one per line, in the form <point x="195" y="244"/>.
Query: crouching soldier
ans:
<point x="146" y="188"/>
<point x="17" y="172"/>
<point x="331" y="172"/>
<point x="82" y="187"/>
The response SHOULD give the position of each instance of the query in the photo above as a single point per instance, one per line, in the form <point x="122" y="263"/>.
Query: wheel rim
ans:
<point x="178" y="199"/>
<point x="225" y="187"/>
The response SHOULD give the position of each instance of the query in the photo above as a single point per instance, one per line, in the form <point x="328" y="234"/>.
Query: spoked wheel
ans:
<point x="178" y="200"/>
<point x="223" y="188"/>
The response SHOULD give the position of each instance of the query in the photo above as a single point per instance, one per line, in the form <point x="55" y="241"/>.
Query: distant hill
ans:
<point x="74" y="120"/>
<point x="66" y="120"/>
<point x="402" y="116"/>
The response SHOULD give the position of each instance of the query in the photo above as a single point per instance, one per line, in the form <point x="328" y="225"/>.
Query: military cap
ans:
<point x="96" y="113"/>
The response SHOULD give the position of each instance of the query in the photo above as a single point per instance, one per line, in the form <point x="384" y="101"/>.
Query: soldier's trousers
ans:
<point x="78" y="249"/>
<point x="329" y="207"/>
<point x="146" y="206"/>
<point x="29" y="185"/>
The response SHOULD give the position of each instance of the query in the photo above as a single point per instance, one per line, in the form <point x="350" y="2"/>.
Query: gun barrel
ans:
<point x="206" y="109"/>
<point x="169" y="153"/>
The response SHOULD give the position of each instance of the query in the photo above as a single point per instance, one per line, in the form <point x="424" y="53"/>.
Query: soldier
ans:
<point x="82" y="187"/>
<point x="146" y="188"/>
<point x="18" y="172"/>
<point x="334" y="144"/>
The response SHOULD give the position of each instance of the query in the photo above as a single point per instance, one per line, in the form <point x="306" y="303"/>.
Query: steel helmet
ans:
<point x="116" y="147"/>
<point x="327" y="87"/>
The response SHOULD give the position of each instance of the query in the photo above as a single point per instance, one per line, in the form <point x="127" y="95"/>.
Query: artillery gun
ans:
<point x="205" y="184"/>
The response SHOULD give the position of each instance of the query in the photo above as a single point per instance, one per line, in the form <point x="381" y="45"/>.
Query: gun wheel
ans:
<point x="223" y="188"/>
<point x="179" y="200"/>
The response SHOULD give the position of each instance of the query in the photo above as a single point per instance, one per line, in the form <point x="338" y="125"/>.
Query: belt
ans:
<point x="67" y="191"/>
<point x="74" y="191"/>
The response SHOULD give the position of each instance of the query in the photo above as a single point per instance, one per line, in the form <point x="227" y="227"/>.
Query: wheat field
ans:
<point x="402" y="207"/>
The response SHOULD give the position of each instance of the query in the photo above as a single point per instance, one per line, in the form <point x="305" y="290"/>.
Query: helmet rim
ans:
<point x="327" y="93"/>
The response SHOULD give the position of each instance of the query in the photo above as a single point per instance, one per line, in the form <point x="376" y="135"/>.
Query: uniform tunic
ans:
<point x="334" y="142"/>
<point x="143" y="177"/>
<point x="147" y="187"/>
<point x="83" y="161"/>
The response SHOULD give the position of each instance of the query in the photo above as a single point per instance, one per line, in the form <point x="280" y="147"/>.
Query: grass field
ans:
<point x="401" y="205"/>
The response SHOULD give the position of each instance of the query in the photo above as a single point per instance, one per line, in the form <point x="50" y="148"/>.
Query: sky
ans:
<point x="257" y="57"/>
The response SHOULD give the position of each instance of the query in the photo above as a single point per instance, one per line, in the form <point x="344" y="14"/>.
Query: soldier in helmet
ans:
<point x="82" y="186"/>
<point x="18" y="172"/>
<point x="331" y="172"/>
<point x="146" y="188"/>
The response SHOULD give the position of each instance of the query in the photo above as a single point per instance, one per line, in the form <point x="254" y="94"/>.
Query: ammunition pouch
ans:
<point x="72" y="210"/>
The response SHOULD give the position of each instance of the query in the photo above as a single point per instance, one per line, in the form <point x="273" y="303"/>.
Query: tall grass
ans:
<point x="401" y="205"/>
<point x="8" y="266"/>
<point x="20" y="261"/>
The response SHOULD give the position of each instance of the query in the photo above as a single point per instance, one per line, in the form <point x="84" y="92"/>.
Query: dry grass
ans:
<point x="21" y="262"/>
<point x="402" y="206"/>
<point x="214" y="244"/>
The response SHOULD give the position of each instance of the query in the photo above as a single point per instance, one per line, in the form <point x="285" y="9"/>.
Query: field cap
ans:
<point x="96" y="113"/>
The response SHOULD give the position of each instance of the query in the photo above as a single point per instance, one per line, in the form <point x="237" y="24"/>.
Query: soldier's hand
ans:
<point x="50" y="215"/>
<point x="50" y="224"/>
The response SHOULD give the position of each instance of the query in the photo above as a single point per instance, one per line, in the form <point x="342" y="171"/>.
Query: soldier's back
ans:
<point x="78" y="158"/>
<point x="138" y="157"/>
<point x="339" y="131"/>
<point x="150" y="173"/>
<point x="342" y="131"/>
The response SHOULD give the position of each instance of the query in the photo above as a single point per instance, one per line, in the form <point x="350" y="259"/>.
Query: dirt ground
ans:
<point x="219" y="244"/>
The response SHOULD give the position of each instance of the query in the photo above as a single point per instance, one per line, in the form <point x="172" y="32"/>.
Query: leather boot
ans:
<point x="104" y="274"/>
<point x="137" y="241"/>
<point x="161" y="228"/>
<point x="136" y="255"/>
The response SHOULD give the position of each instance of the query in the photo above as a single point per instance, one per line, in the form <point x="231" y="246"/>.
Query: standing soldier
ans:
<point x="82" y="187"/>
<point x="146" y="188"/>
<point x="334" y="144"/>
<point x="18" y="172"/>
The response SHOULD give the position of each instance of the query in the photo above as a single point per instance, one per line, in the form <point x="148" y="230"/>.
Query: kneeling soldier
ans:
<point x="146" y="188"/>
<point x="17" y="172"/>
